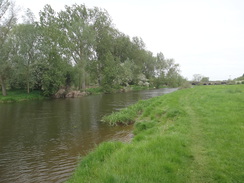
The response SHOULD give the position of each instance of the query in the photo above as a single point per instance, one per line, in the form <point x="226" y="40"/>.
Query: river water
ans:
<point x="41" y="141"/>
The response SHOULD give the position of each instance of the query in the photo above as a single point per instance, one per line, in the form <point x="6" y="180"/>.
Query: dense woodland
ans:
<point x="78" y="47"/>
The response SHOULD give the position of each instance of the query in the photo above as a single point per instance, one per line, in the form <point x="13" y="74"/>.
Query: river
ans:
<point x="41" y="141"/>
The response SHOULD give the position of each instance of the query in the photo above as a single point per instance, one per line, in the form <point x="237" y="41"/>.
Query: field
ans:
<point x="192" y="135"/>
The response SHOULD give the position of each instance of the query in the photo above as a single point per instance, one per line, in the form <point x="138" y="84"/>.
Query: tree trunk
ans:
<point x="99" y="80"/>
<point x="28" y="78"/>
<point x="4" y="92"/>
<point x="28" y="87"/>
<point x="79" y="82"/>
<point x="84" y="81"/>
<point x="99" y="75"/>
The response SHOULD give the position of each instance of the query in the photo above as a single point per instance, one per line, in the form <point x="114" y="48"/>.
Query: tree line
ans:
<point x="75" y="47"/>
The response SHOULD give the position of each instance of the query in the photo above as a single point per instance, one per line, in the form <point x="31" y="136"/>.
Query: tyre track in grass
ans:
<point x="199" y="164"/>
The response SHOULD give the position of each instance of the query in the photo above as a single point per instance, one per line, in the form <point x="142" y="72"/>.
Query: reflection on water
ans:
<point x="40" y="141"/>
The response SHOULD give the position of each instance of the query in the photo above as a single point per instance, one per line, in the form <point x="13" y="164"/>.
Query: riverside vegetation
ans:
<point x="21" y="95"/>
<point x="191" y="135"/>
<point x="75" y="48"/>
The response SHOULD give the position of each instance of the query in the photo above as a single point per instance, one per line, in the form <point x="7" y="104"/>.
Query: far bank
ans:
<point x="21" y="95"/>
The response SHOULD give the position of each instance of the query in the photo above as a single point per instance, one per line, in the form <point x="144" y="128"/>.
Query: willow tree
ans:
<point x="7" y="21"/>
<point x="53" y="62"/>
<point x="75" y="24"/>
<point x="103" y="45"/>
<point x="25" y="38"/>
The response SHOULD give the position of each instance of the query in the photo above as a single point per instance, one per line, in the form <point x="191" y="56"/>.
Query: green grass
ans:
<point x="191" y="135"/>
<point x="127" y="115"/>
<point x="136" y="87"/>
<point x="20" y="95"/>
<point x="94" y="91"/>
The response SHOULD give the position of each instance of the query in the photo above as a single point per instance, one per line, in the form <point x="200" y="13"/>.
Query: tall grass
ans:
<point x="192" y="135"/>
<point x="127" y="115"/>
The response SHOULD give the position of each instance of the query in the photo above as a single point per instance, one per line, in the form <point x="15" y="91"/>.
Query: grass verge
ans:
<point x="191" y="135"/>
<point x="20" y="95"/>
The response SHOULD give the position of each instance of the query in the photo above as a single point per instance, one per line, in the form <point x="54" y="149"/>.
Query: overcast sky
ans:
<point x="204" y="36"/>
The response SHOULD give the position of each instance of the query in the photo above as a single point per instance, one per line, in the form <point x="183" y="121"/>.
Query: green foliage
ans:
<point x="205" y="79"/>
<point x="157" y="82"/>
<point x="125" y="74"/>
<point x="24" y="55"/>
<point x="196" y="136"/>
<point x="75" y="47"/>
<point x="167" y="72"/>
<point x="110" y="72"/>
<point x="52" y="80"/>
<point x="8" y="19"/>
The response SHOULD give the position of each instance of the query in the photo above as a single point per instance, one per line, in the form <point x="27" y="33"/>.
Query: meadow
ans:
<point x="191" y="135"/>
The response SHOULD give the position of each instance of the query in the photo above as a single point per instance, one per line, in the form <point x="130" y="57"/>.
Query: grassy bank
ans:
<point x="192" y="135"/>
<point x="20" y="95"/>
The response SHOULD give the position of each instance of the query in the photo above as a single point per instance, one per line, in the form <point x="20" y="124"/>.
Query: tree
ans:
<point x="53" y="64"/>
<point x="25" y="37"/>
<point x="167" y="72"/>
<point x="160" y="65"/>
<point x="110" y="73"/>
<point x="122" y="47"/>
<point x="78" y="35"/>
<point x="125" y="76"/>
<point x="104" y="43"/>
<point x="205" y="79"/>
<point x="172" y="72"/>
<point x="197" y="77"/>
<point x="149" y="65"/>
<point x="7" y="21"/>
